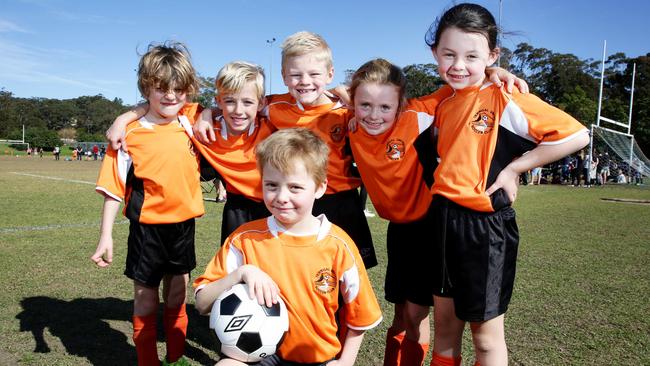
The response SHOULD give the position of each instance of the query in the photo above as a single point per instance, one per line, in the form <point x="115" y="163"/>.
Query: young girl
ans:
<point x="390" y="149"/>
<point x="486" y="138"/>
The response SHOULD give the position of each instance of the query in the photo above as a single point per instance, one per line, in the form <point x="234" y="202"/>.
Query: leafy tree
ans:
<point x="207" y="92"/>
<point x="422" y="79"/>
<point x="579" y="105"/>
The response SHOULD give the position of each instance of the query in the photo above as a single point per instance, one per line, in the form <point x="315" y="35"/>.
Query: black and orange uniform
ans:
<point x="480" y="131"/>
<point x="397" y="170"/>
<point x="311" y="272"/>
<point x="341" y="202"/>
<point x="158" y="179"/>
<point x="233" y="157"/>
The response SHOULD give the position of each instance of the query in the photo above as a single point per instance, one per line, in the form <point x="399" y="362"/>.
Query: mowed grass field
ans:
<point x="582" y="294"/>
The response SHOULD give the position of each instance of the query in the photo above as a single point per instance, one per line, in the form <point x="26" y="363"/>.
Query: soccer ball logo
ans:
<point x="247" y="331"/>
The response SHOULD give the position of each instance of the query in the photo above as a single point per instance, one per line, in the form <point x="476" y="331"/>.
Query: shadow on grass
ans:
<point x="81" y="326"/>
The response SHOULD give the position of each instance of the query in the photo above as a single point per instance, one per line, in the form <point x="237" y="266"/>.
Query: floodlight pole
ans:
<point x="499" y="32"/>
<point x="270" y="74"/>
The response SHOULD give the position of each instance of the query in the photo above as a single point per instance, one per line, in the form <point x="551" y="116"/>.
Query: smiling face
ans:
<point x="376" y="106"/>
<point x="462" y="57"/>
<point x="307" y="76"/>
<point x="164" y="105"/>
<point x="290" y="196"/>
<point x="240" y="108"/>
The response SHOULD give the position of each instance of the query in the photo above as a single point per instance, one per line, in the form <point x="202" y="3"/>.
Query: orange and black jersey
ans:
<point x="312" y="272"/>
<point x="397" y="166"/>
<point x="159" y="177"/>
<point x="234" y="157"/>
<point x="481" y="130"/>
<point x="329" y="122"/>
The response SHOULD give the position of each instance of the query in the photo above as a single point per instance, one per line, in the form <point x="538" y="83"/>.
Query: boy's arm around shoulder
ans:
<point x="204" y="127"/>
<point x="115" y="133"/>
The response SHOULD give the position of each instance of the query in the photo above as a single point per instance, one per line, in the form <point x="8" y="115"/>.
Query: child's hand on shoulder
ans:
<point x="499" y="76"/>
<point x="260" y="285"/>
<point x="204" y="128"/>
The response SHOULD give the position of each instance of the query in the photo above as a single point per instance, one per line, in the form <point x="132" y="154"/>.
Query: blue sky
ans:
<point x="68" y="48"/>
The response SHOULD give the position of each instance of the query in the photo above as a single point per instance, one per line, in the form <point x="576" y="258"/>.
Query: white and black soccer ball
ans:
<point x="247" y="331"/>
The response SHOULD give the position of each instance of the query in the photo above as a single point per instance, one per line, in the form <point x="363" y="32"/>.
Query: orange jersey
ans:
<point x="159" y="177"/>
<point x="329" y="122"/>
<point x="482" y="129"/>
<point x="311" y="272"/>
<point x="391" y="168"/>
<point x="234" y="157"/>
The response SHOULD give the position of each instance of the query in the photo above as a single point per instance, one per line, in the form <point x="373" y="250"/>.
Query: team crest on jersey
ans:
<point x="337" y="132"/>
<point x="325" y="281"/>
<point x="395" y="149"/>
<point x="482" y="122"/>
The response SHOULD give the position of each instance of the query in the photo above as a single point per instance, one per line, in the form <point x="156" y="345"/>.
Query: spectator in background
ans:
<point x="56" y="152"/>
<point x="536" y="174"/>
<point x="80" y="152"/>
<point x="593" y="169"/>
<point x="102" y="152"/>
<point x="621" y="177"/>
<point x="604" y="167"/>
<point x="29" y="151"/>
<point x="95" y="152"/>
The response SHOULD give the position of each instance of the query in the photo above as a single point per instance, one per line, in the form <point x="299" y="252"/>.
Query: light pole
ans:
<point x="137" y="90"/>
<point x="270" y="74"/>
<point x="499" y="33"/>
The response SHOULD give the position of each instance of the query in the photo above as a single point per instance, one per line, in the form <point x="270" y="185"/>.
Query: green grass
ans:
<point x="581" y="296"/>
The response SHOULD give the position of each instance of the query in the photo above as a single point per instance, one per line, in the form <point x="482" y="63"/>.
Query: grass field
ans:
<point x="582" y="295"/>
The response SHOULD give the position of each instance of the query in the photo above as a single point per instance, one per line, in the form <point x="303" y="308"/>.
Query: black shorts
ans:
<point x="477" y="256"/>
<point x="239" y="210"/>
<point x="344" y="209"/>
<point x="155" y="250"/>
<point x="410" y="261"/>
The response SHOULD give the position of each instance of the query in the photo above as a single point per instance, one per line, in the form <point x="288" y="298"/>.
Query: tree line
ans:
<point x="563" y="80"/>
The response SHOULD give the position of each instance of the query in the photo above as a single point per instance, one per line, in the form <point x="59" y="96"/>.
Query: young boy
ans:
<point x="307" y="70"/>
<point x="305" y="259"/>
<point x="240" y="95"/>
<point x="159" y="182"/>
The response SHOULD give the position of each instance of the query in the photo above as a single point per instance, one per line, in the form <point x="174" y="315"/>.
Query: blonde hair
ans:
<point x="234" y="75"/>
<point x="284" y="147"/>
<point x="381" y="72"/>
<point x="304" y="42"/>
<point x="167" y="66"/>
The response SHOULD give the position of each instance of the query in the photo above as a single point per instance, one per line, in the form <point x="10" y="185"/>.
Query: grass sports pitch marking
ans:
<point x="55" y="226"/>
<point x="54" y="178"/>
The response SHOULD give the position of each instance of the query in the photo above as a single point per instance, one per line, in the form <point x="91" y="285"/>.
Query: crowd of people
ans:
<point x="578" y="170"/>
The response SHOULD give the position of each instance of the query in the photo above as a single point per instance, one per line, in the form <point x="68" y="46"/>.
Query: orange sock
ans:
<point x="144" y="337"/>
<point x="440" y="360"/>
<point x="175" y="321"/>
<point x="393" y="343"/>
<point x="412" y="353"/>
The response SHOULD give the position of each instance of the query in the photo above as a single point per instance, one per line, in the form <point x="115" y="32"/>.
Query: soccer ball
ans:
<point x="247" y="331"/>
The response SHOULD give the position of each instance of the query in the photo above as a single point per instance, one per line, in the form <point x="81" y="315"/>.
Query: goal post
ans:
<point x="622" y="145"/>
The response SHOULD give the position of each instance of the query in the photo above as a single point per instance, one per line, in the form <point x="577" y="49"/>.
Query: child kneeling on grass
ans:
<point x="306" y="260"/>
